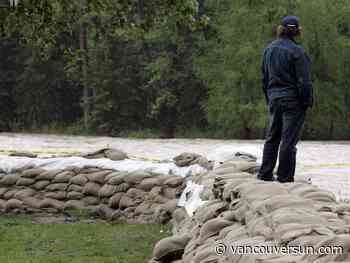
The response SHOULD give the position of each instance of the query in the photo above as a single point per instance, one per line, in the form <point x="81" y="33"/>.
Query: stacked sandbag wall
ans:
<point x="138" y="196"/>
<point x="243" y="211"/>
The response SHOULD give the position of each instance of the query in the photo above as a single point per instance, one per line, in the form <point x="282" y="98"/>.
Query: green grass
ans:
<point x="22" y="241"/>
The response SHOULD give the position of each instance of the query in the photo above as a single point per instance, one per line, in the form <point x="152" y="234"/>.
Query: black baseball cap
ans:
<point x="292" y="21"/>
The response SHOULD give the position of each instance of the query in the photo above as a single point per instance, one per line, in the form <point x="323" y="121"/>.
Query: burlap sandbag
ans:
<point x="170" y="193"/>
<point x="79" y="179"/>
<point x="40" y="185"/>
<point x="91" y="200"/>
<point x="59" y="195"/>
<point x="32" y="202"/>
<point x="288" y="232"/>
<point x="2" y="205"/>
<point x="13" y="204"/>
<point x="3" y="191"/>
<point x="234" y="227"/>
<point x="253" y="191"/>
<point x="294" y="215"/>
<point x="10" y="194"/>
<point x="342" y="241"/>
<point x="206" y="255"/>
<point x="114" y="200"/>
<point x="51" y="203"/>
<point x="74" y="195"/>
<point x="57" y="187"/>
<point x="107" y="191"/>
<point x="75" y="188"/>
<point x="174" y="181"/>
<point x="308" y="240"/>
<point x="281" y="201"/>
<point x="148" y="183"/>
<point x="91" y="189"/>
<point x="212" y="228"/>
<point x="105" y="212"/>
<point x="25" y="182"/>
<point x="63" y="177"/>
<point x="171" y="247"/>
<point x="74" y="205"/>
<point x="122" y="188"/>
<point x="210" y="210"/>
<point x="48" y="175"/>
<point x="10" y="179"/>
<point x="144" y="208"/>
<point x="31" y="173"/>
<point x="116" y="178"/>
<point x="136" y="177"/>
<point x="98" y="177"/>
<point x="321" y="196"/>
<point x="126" y="202"/>
<point x="135" y="193"/>
<point x="23" y="194"/>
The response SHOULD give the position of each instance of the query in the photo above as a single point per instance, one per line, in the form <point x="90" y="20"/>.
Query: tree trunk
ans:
<point x="83" y="48"/>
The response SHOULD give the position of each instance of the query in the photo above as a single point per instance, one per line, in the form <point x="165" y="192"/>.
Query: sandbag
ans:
<point x="115" y="155"/>
<point x="148" y="183"/>
<point x="98" y="177"/>
<point x="171" y="247"/>
<point x="126" y="202"/>
<point x="63" y="177"/>
<point x="57" y="187"/>
<point x="80" y="180"/>
<point x="114" y="200"/>
<point x="32" y="173"/>
<point x="174" y="181"/>
<point x="32" y="202"/>
<point x="107" y="191"/>
<point x="3" y="191"/>
<point x="48" y="175"/>
<point x="74" y="205"/>
<point x="91" y="200"/>
<point x="116" y="178"/>
<point x="13" y="204"/>
<point x="23" y="194"/>
<point x="74" y="195"/>
<point x="10" y="179"/>
<point x="170" y="193"/>
<point x="40" y="185"/>
<point x="212" y="228"/>
<point x="136" y="177"/>
<point x="105" y="212"/>
<point x="75" y="188"/>
<point x="123" y="187"/>
<point x="51" y="203"/>
<point x="59" y="195"/>
<point x="321" y="196"/>
<point x="25" y="182"/>
<point x="2" y="205"/>
<point x="10" y="194"/>
<point x="91" y="189"/>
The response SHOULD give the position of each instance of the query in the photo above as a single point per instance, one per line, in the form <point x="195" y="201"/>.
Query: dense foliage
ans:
<point x="188" y="65"/>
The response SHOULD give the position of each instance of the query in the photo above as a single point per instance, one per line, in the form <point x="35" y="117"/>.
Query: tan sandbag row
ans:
<point x="242" y="210"/>
<point x="136" y="197"/>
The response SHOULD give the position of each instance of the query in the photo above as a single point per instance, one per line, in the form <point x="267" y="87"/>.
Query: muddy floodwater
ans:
<point x="326" y="164"/>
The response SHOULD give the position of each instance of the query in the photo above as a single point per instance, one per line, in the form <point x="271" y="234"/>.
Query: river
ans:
<point x="326" y="164"/>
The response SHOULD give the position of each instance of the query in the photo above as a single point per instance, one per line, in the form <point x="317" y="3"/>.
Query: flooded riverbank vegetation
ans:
<point x="188" y="68"/>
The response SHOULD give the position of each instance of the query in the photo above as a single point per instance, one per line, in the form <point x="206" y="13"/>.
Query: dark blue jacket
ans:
<point x="287" y="72"/>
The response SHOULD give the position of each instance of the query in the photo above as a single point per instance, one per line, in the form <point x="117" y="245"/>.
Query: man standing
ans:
<point x="288" y="91"/>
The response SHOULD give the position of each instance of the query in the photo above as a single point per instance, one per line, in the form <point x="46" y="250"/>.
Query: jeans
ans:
<point x="287" y="118"/>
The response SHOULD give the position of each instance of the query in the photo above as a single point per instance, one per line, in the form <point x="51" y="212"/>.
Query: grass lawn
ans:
<point x="22" y="241"/>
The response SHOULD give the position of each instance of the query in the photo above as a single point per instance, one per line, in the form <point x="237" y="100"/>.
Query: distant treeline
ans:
<point x="178" y="67"/>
